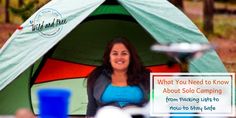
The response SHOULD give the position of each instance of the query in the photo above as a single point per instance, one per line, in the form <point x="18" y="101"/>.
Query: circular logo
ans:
<point x="48" y="23"/>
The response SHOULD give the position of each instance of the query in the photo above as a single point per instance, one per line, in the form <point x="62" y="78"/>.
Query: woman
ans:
<point x="120" y="81"/>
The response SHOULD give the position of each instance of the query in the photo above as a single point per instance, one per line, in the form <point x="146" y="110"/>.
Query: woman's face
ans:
<point x="119" y="57"/>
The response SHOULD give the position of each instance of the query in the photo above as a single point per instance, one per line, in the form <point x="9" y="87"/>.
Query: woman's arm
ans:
<point x="92" y="105"/>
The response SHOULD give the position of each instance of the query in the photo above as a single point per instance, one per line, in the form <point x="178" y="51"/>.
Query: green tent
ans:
<point x="64" y="40"/>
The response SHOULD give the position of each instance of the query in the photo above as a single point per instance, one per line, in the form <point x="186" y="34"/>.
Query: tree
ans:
<point x="208" y="16"/>
<point x="178" y="3"/>
<point x="7" y="15"/>
<point x="20" y="3"/>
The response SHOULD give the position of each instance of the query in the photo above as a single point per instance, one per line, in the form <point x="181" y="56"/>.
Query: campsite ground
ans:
<point x="224" y="31"/>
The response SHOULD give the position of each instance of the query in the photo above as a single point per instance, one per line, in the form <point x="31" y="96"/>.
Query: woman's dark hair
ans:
<point x="136" y="71"/>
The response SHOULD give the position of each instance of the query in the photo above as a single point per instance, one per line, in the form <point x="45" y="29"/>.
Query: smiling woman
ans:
<point x="120" y="81"/>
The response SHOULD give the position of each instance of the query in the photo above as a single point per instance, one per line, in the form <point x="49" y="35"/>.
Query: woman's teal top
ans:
<point x="122" y="95"/>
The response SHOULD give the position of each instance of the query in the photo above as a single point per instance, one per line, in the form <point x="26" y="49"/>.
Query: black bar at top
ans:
<point x="111" y="2"/>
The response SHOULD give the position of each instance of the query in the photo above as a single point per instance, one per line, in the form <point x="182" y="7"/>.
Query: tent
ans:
<point x="64" y="40"/>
